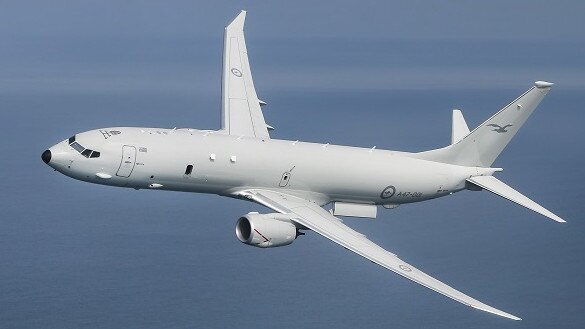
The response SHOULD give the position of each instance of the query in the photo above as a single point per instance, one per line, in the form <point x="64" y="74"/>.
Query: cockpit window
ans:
<point x="85" y="152"/>
<point x="77" y="147"/>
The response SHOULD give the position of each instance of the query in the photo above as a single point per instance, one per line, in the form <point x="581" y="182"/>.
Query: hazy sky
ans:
<point x="384" y="73"/>
<point x="119" y="45"/>
<point x="543" y="21"/>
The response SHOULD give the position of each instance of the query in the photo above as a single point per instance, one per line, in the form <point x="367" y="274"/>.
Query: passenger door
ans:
<point x="128" y="161"/>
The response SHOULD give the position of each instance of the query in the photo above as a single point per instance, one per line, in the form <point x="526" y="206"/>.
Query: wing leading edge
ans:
<point x="240" y="107"/>
<point x="310" y="215"/>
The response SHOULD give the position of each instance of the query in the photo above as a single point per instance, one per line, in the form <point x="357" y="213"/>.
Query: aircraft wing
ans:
<point x="310" y="215"/>
<point x="240" y="107"/>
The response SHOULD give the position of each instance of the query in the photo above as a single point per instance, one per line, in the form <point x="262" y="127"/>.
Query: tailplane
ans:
<point x="459" y="127"/>
<point x="500" y="188"/>
<point x="481" y="147"/>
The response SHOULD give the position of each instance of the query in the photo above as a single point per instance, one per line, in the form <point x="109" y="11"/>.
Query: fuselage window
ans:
<point x="189" y="170"/>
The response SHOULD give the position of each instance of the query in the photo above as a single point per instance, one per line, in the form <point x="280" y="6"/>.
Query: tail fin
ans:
<point x="482" y="146"/>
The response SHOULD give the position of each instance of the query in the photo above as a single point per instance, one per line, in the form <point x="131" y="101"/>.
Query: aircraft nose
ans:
<point x="46" y="156"/>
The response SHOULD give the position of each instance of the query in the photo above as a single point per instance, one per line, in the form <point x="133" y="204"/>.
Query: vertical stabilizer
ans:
<point x="482" y="146"/>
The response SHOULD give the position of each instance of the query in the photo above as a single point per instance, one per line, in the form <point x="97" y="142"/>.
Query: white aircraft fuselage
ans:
<point x="157" y="158"/>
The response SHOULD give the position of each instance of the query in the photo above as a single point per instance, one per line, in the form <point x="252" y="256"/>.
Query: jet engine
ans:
<point x="266" y="230"/>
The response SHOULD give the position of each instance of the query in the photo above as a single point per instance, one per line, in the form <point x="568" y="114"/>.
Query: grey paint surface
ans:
<point x="79" y="255"/>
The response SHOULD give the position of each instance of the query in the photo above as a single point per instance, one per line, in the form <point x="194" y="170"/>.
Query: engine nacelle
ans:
<point x="265" y="230"/>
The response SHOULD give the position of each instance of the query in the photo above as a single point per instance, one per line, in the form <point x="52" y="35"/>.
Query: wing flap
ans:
<point x="310" y="215"/>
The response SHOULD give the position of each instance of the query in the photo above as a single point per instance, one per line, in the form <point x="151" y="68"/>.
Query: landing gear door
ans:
<point x="128" y="161"/>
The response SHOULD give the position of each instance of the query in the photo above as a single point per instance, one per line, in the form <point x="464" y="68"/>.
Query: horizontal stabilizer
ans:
<point x="500" y="188"/>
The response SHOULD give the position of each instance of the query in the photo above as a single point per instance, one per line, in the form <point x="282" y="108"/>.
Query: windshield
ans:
<point x="85" y="152"/>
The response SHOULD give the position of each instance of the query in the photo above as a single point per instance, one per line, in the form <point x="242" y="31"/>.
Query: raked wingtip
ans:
<point x="238" y="22"/>
<point x="495" y="311"/>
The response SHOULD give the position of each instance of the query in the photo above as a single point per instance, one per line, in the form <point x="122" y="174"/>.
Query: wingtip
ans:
<point x="495" y="311"/>
<point x="238" y="21"/>
<point x="555" y="217"/>
<point x="513" y="317"/>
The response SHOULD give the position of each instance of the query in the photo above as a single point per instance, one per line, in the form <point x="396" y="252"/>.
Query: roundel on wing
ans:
<point x="405" y="268"/>
<point x="236" y="72"/>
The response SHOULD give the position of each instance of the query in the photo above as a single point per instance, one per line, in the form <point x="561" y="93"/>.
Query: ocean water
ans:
<point x="76" y="255"/>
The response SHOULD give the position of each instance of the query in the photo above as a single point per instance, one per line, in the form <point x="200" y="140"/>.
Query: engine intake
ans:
<point x="265" y="230"/>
